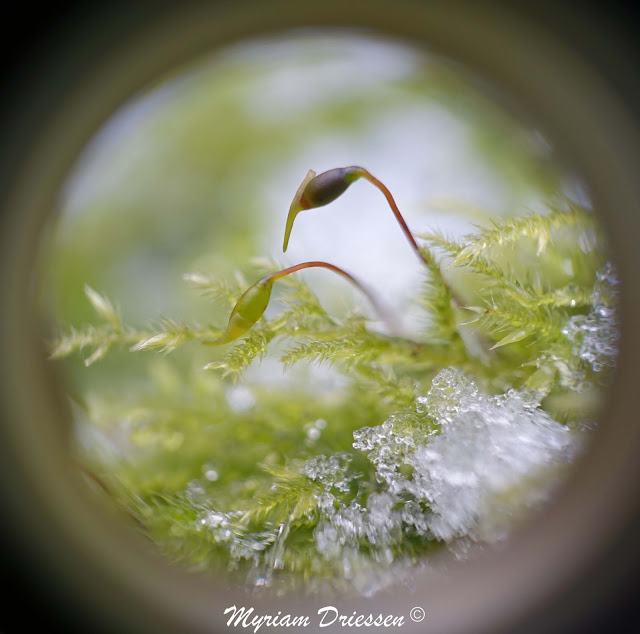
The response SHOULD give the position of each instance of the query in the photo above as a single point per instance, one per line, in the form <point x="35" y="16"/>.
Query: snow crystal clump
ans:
<point x="459" y="464"/>
<point x="331" y="471"/>
<point x="595" y="336"/>
<point x="487" y="447"/>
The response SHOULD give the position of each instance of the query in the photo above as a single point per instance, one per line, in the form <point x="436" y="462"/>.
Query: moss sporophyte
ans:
<point x="407" y="454"/>
<point x="255" y="299"/>
<point x="314" y="191"/>
<point x="322" y="189"/>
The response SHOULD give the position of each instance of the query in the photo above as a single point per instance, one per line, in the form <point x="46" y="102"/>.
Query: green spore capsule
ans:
<point x="247" y="311"/>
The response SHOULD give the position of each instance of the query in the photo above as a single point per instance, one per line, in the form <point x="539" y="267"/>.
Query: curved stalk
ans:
<point x="396" y="212"/>
<point x="318" y="191"/>
<point x="254" y="301"/>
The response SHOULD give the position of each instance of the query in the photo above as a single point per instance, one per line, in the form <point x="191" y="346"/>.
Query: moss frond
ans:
<point x="215" y="289"/>
<point x="291" y="497"/>
<point x="241" y="355"/>
<point x="536" y="228"/>
<point x="436" y="299"/>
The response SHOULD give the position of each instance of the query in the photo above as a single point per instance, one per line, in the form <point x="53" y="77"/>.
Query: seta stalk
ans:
<point x="254" y="301"/>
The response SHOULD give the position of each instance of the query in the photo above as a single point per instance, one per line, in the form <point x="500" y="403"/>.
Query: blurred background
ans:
<point x="197" y="172"/>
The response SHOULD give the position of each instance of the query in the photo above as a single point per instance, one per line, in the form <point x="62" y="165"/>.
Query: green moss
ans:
<point x="219" y="470"/>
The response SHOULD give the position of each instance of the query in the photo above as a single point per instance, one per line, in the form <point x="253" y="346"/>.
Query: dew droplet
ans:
<point x="211" y="475"/>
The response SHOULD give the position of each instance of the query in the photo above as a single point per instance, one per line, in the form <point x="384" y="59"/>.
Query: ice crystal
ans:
<point x="331" y="471"/>
<point x="228" y="528"/>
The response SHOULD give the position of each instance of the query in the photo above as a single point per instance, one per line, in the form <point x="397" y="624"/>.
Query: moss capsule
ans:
<point x="247" y="311"/>
<point x="318" y="191"/>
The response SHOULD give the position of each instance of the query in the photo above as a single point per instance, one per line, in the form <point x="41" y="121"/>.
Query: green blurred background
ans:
<point x="197" y="173"/>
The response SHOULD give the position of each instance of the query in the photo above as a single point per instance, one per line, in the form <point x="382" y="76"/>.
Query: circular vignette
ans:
<point x="562" y="567"/>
